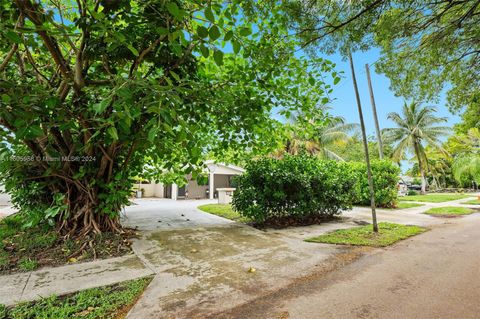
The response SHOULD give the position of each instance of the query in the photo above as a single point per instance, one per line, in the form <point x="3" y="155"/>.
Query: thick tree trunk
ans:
<point x="83" y="216"/>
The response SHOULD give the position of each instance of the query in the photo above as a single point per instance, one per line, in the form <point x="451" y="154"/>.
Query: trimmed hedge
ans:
<point x="385" y="180"/>
<point x="303" y="189"/>
<point x="298" y="188"/>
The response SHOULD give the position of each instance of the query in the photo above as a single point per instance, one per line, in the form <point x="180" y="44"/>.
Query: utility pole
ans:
<point x="365" y="146"/>
<point x="374" y="109"/>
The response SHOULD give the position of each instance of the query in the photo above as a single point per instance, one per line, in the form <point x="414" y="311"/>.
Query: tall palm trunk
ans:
<point x="423" y="190"/>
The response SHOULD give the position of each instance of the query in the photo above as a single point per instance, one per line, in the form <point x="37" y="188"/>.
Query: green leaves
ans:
<point x="112" y="131"/>
<point x="13" y="36"/>
<point x="218" y="57"/>
<point x="214" y="33"/>
<point x="236" y="47"/>
<point x="209" y="14"/>
<point x="202" y="32"/>
<point x="204" y="50"/>
<point x="172" y="7"/>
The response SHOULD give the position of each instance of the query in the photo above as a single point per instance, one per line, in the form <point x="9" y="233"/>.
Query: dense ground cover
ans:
<point x="388" y="233"/>
<point x="449" y="211"/>
<point x="104" y="302"/>
<point x="26" y="249"/>
<point x="434" y="198"/>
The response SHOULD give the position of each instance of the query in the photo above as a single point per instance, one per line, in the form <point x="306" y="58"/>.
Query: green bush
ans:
<point x="385" y="180"/>
<point x="411" y="192"/>
<point x="298" y="188"/>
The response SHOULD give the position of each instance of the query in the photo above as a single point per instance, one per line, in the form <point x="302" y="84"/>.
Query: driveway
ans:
<point x="150" y="214"/>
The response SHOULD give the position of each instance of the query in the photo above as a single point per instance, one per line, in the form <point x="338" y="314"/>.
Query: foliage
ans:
<point x="426" y="46"/>
<point x="104" y="302"/>
<point x="449" y="211"/>
<point x="411" y="192"/>
<point x="353" y="150"/>
<point x="316" y="136"/>
<point x="295" y="187"/>
<point x="222" y="210"/>
<point x="415" y="127"/>
<point x="92" y="92"/>
<point x="28" y="248"/>
<point x="466" y="151"/>
<point x="385" y="180"/>
<point x="434" y="198"/>
<point x="388" y="234"/>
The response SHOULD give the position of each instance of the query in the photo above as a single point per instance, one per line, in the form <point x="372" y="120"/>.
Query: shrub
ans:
<point x="385" y="180"/>
<point x="412" y="193"/>
<point x="298" y="188"/>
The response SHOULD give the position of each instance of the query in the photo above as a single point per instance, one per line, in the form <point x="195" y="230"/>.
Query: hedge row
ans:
<point x="303" y="188"/>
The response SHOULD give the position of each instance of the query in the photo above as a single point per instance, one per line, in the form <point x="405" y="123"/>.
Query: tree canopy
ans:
<point x="91" y="90"/>
<point x="426" y="46"/>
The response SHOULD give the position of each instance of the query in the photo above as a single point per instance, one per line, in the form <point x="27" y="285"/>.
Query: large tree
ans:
<point x="425" y="46"/>
<point x="90" y="90"/>
<point x="416" y="127"/>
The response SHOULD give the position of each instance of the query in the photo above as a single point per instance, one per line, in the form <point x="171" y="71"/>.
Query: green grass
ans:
<point x="223" y="210"/>
<point x="449" y="211"/>
<point x="104" y="302"/>
<point x="434" y="198"/>
<point x="388" y="234"/>
<point x="405" y="205"/>
<point x="472" y="202"/>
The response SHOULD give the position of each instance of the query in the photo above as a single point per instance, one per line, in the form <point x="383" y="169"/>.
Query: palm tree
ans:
<point x="416" y="128"/>
<point x="321" y="141"/>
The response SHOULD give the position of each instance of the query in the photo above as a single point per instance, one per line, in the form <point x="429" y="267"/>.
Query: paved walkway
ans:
<point x="165" y="214"/>
<point x="69" y="278"/>
<point x="201" y="262"/>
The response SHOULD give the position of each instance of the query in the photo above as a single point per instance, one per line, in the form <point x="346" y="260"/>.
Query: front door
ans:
<point x="181" y="191"/>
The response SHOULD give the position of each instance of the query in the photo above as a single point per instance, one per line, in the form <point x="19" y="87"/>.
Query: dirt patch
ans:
<point x="26" y="249"/>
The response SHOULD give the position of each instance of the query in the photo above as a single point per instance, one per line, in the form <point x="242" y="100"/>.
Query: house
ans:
<point x="220" y="175"/>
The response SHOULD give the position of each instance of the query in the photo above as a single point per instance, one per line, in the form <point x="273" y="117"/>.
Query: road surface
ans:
<point x="433" y="275"/>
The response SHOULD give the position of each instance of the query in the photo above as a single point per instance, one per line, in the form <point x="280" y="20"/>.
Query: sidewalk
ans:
<point x="69" y="278"/>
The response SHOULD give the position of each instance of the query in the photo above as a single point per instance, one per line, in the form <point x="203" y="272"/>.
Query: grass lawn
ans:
<point x="104" y="302"/>
<point x="26" y="249"/>
<point x="434" y="198"/>
<point x="223" y="210"/>
<point x="388" y="234"/>
<point x="404" y="205"/>
<point x="449" y="211"/>
<point x="472" y="202"/>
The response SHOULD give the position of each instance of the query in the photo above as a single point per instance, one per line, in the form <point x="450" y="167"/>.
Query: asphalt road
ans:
<point x="433" y="275"/>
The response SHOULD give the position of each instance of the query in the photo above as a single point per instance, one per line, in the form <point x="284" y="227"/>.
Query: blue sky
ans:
<point x="345" y="103"/>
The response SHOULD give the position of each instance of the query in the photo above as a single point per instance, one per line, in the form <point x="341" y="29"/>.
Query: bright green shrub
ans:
<point x="385" y="180"/>
<point x="296" y="187"/>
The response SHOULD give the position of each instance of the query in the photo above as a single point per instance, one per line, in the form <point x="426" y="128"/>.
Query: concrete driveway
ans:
<point x="150" y="214"/>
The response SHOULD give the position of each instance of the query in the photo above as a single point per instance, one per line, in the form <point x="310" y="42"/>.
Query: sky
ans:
<point x="344" y="103"/>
